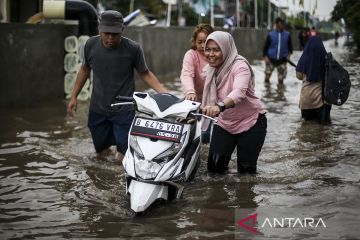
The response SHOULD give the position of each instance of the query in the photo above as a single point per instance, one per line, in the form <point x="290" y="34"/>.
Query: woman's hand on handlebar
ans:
<point x="190" y="96"/>
<point x="211" y="111"/>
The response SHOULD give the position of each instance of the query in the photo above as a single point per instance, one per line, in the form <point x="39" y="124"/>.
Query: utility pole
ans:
<point x="181" y="19"/>
<point x="168" y="15"/>
<point x="238" y="6"/>
<point x="310" y="12"/>
<point x="131" y="6"/>
<point x="212" y="13"/>
<point x="256" y="15"/>
<point x="269" y="15"/>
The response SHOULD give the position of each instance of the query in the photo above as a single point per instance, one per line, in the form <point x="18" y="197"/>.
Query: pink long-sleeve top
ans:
<point x="240" y="87"/>
<point x="192" y="77"/>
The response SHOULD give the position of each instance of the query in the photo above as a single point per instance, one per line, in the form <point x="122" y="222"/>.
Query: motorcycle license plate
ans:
<point x="157" y="129"/>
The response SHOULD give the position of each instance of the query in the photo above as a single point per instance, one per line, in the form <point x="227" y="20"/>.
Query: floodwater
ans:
<point x="53" y="187"/>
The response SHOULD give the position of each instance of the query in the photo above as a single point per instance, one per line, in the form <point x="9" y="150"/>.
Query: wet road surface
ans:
<point x="52" y="186"/>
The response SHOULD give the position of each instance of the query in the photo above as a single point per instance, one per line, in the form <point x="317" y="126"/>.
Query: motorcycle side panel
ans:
<point x="169" y="168"/>
<point x="193" y="162"/>
<point x="128" y="164"/>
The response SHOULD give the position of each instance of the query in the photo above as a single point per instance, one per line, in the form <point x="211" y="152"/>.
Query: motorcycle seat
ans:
<point x="165" y="100"/>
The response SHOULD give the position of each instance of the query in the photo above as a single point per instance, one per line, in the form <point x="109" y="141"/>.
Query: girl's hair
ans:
<point x="202" y="27"/>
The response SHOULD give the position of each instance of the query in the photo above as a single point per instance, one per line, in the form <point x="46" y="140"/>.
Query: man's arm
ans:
<point x="266" y="45"/>
<point x="265" y="49"/>
<point x="81" y="78"/>
<point x="153" y="82"/>
<point x="290" y="46"/>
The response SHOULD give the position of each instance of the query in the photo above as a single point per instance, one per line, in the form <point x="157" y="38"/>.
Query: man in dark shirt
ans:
<point x="112" y="58"/>
<point x="277" y="49"/>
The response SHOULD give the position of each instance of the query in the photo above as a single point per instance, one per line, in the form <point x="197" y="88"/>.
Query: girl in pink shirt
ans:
<point x="192" y="76"/>
<point x="229" y="92"/>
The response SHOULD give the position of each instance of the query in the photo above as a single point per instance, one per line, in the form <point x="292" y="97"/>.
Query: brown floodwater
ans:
<point x="52" y="186"/>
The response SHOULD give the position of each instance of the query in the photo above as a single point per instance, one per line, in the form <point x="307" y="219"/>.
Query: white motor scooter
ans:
<point x="163" y="152"/>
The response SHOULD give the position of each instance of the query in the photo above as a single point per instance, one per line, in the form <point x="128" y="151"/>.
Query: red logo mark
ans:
<point x="250" y="228"/>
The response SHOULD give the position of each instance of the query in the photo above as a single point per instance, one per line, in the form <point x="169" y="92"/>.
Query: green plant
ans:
<point x="349" y="11"/>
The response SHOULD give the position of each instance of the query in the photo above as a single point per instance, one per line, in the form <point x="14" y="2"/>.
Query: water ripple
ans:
<point x="52" y="185"/>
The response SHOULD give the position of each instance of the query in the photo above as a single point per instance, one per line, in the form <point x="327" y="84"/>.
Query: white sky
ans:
<point x="323" y="11"/>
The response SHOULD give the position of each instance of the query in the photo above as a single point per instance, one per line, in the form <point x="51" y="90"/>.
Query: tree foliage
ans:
<point x="349" y="11"/>
<point x="296" y="22"/>
<point x="189" y="14"/>
<point x="155" y="7"/>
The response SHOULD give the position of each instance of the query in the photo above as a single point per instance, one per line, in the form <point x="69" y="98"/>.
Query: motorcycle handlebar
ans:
<point x="121" y="104"/>
<point x="201" y="112"/>
<point x="205" y="116"/>
<point x="124" y="98"/>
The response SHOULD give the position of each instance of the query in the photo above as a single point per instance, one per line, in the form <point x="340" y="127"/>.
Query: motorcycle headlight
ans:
<point x="134" y="146"/>
<point x="168" y="154"/>
<point x="147" y="169"/>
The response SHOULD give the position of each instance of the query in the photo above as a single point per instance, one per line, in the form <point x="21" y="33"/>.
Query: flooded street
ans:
<point x="52" y="186"/>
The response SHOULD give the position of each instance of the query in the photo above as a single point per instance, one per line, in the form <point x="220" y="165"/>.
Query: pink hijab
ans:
<point x="216" y="77"/>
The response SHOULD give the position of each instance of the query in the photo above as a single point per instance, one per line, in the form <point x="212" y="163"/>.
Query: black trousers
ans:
<point x="321" y="114"/>
<point x="248" y="145"/>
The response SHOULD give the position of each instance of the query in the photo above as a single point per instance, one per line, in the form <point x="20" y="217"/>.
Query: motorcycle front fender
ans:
<point x="142" y="194"/>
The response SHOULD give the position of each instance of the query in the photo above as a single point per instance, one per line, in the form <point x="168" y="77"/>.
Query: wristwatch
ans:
<point x="221" y="105"/>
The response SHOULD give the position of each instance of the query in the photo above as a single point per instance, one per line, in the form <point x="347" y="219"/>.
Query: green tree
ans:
<point x="296" y="22"/>
<point x="188" y="13"/>
<point x="349" y="11"/>
<point x="155" y="7"/>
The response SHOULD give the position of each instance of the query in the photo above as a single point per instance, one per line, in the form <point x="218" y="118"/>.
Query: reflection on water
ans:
<point x="53" y="186"/>
<point x="271" y="94"/>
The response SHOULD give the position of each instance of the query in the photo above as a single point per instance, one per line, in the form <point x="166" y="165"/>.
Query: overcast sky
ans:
<point x="323" y="11"/>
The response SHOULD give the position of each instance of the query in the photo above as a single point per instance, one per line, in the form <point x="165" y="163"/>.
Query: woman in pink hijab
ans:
<point x="229" y="93"/>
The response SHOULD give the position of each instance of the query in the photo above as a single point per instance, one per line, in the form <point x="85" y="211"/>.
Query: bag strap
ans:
<point x="328" y="59"/>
